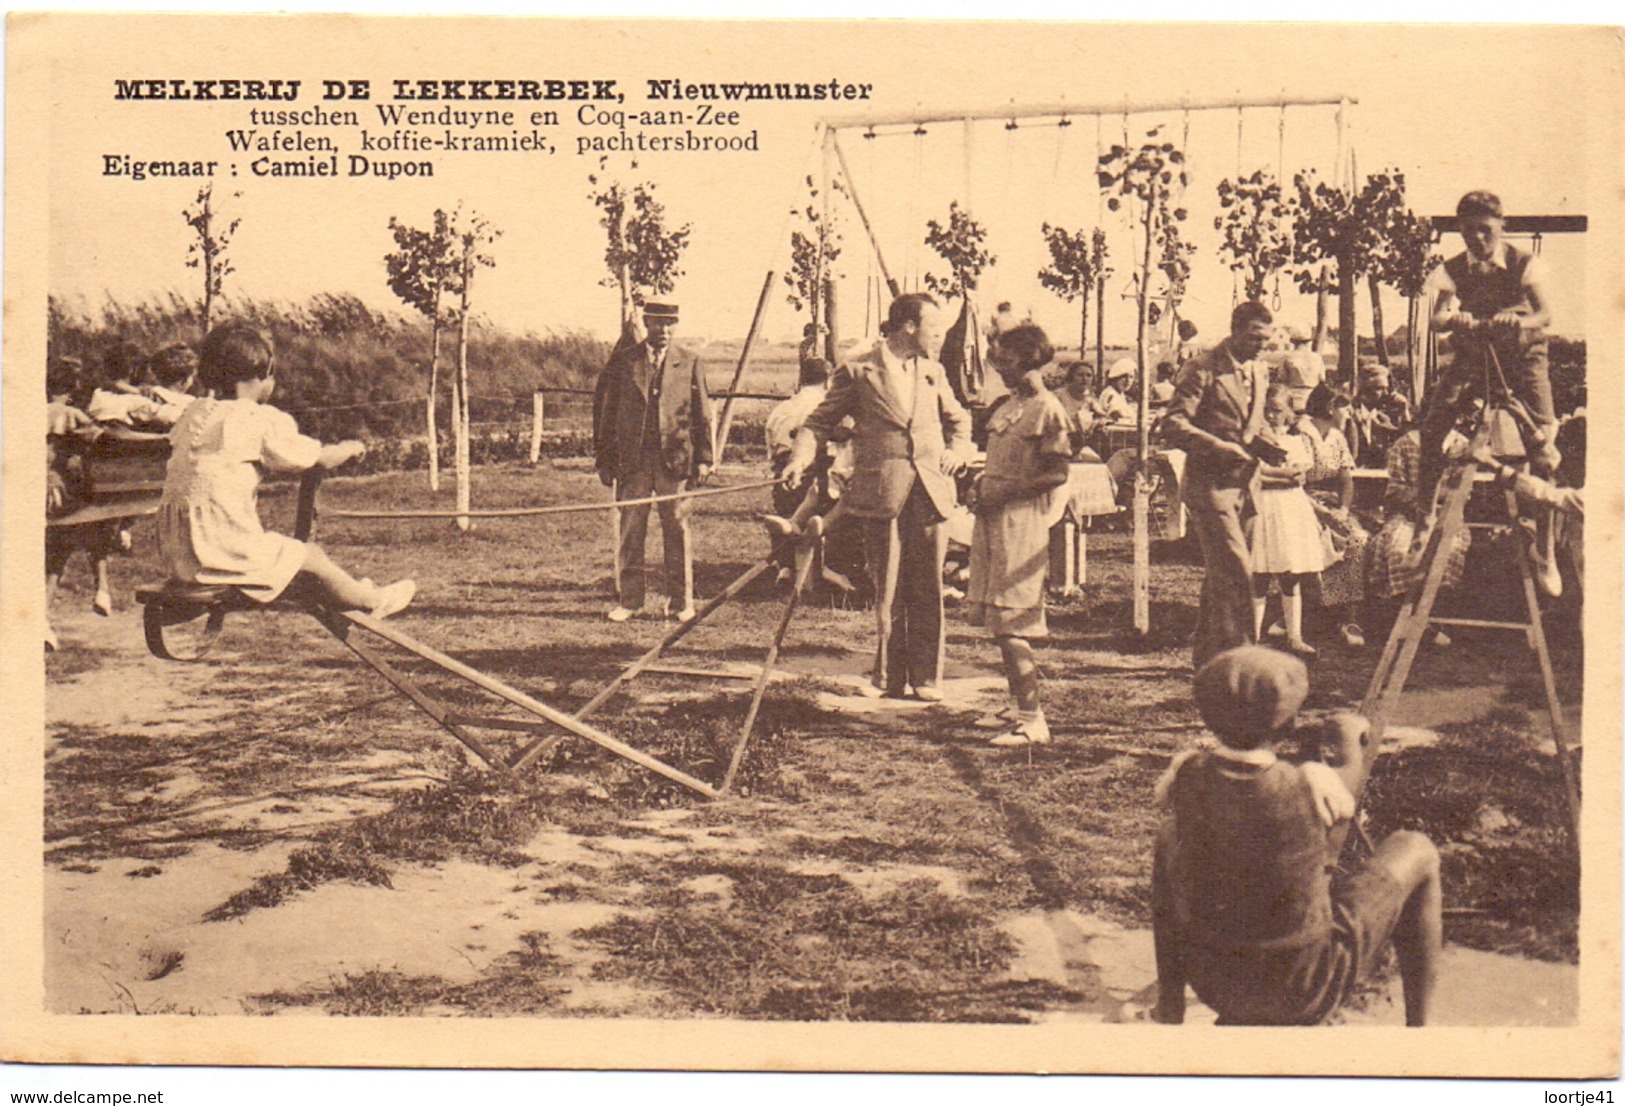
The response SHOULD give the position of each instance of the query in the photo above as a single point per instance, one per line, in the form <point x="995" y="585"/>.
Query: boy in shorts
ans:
<point x="1246" y="906"/>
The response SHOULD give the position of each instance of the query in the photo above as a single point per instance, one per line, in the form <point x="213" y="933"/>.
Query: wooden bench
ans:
<point x="121" y="475"/>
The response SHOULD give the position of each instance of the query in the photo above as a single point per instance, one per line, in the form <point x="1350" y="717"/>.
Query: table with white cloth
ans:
<point x="1089" y="491"/>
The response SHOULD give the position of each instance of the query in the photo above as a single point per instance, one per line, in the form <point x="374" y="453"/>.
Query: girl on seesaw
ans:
<point x="1017" y="500"/>
<point x="209" y="529"/>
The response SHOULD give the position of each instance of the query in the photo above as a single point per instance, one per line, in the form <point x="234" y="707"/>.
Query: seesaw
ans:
<point x="171" y="613"/>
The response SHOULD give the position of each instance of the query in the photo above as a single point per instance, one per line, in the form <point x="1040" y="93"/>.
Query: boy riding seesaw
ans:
<point x="1247" y="904"/>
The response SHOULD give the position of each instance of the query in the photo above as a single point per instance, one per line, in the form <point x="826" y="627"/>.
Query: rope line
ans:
<point x="557" y="509"/>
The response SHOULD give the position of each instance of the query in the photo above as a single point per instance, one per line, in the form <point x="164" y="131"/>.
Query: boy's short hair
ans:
<point x="1478" y="205"/>
<point x="172" y="365"/>
<point x="1028" y="345"/>
<point x="1250" y="694"/>
<point x="234" y="352"/>
<point x="814" y="370"/>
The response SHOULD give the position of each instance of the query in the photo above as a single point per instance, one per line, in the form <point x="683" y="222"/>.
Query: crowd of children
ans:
<point x="132" y="394"/>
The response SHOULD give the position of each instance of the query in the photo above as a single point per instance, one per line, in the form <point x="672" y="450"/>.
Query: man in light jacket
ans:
<point x="910" y="438"/>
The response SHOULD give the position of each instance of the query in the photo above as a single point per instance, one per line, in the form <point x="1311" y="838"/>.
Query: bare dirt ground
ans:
<point x="272" y="831"/>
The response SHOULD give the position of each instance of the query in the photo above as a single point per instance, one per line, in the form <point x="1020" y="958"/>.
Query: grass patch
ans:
<point x="308" y="868"/>
<point x="1495" y="807"/>
<point x="799" y="947"/>
<point x="525" y="981"/>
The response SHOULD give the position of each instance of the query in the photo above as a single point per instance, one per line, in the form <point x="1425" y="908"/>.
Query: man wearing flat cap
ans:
<point x="651" y="433"/>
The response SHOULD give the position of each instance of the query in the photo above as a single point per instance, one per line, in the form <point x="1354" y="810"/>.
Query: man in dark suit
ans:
<point x="651" y="432"/>
<point x="1216" y="414"/>
<point x="910" y="437"/>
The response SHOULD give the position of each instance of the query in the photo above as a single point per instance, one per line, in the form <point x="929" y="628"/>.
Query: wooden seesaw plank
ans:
<point x="525" y="702"/>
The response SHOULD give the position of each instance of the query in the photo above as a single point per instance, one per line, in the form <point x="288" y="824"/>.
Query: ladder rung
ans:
<point x="1483" y="623"/>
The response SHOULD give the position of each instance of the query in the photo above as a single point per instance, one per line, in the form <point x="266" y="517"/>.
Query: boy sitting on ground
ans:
<point x="1246" y="906"/>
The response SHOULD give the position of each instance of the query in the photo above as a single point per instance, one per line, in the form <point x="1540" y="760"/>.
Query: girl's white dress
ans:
<point x="209" y="529"/>
<point x="1009" y="553"/>
<point x="1284" y="535"/>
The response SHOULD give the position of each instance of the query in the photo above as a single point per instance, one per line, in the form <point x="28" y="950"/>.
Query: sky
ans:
<point x="1453" y="108"/>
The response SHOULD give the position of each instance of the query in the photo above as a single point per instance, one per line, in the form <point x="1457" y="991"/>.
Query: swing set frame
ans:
<point x="1058" y="113"/>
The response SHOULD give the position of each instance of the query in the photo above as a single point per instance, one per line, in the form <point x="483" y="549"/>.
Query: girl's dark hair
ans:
<point x="1028" y="345"/>
<point x="234" y="352"/>
<point x="1324" y="400"/>
<point x="1278" y="393"/>
<point x="173" y="364"/>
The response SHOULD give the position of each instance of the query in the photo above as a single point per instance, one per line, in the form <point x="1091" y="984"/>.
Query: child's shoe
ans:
<point x="1353" y="636"/>
<point x="394" y="598"/>
<point x="620" y="614"/>
<point x="1029" y="731"/>
<point x="103" y="603"/>
<point x="51" y="645"/>
<point x="1301" y="648"/>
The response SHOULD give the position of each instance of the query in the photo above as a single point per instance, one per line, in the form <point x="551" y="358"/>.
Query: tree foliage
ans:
<point x="1076" y="270"/>
<point x="1405" y="256"/>
<point x="641" y="252"/>
<point x="1255" y="224"/>
<point x="423" y="266"/>
<point x="813" y="252"/>
<point x="1077" y="261"/>
<point x="1333" y="224"/>
<point x="1154" y="177"/>
<point x="959" y="243"/>
<point x="208" y="251"/>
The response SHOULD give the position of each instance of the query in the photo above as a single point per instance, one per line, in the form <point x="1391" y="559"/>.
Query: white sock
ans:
<point x="1292" y="607"/>
<point x="1259" y="603"/>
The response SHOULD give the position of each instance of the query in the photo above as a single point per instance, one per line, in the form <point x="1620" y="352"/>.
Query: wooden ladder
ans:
<point x="1416" y="617"/>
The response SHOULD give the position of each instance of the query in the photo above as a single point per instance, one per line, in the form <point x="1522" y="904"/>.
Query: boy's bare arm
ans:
<point x="1539" y="315"/>
<point x="1170" y="1007"/>
<point x="337" y="453"/>
<point x="1345" y="744"/>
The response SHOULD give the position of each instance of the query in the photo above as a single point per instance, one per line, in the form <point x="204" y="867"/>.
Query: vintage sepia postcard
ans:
<point x="1120" y="581"/>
